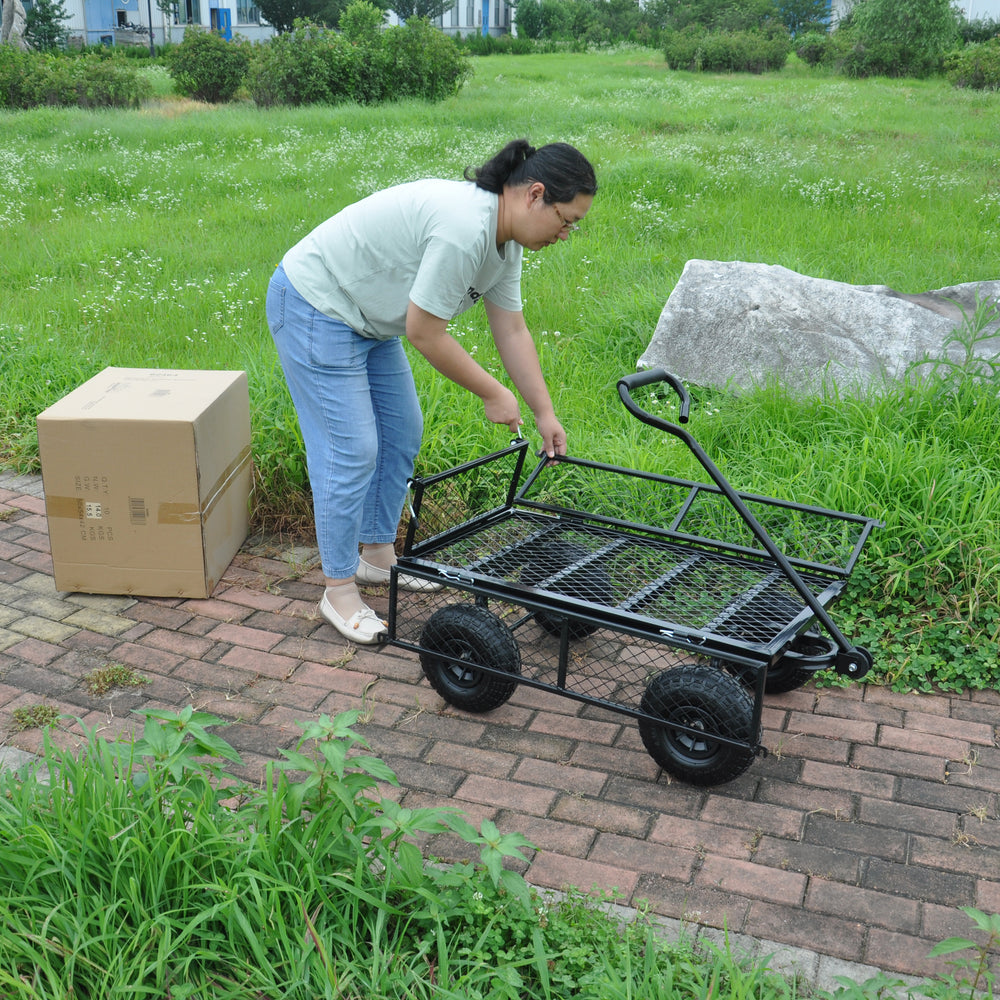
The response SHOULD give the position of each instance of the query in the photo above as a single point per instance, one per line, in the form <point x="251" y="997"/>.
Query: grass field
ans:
<point x="146" y="239"/>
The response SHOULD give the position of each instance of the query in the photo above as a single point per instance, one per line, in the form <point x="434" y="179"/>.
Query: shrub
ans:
<point x="696" y="49"/>
<point x="308" y="65"/>
<point x="313" y="65"/>
<point x="813" y="48"/>
<point x="881" y="58"/>
<point x="976" y="66"/>
<point x="425" y="62"/>
<point x="901" y="37"/>
<point x="207" y="67"/>
<point x="30" y="80"/>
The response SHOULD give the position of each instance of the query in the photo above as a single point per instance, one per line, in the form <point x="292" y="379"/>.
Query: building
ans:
<point x="126" y="22"/>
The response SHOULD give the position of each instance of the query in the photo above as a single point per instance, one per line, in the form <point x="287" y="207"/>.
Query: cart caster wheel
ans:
<point x="705" y="702"/>
<point x="588" y="583"/>
<point x="475" y="636"/>
<point x="797" y="665"/>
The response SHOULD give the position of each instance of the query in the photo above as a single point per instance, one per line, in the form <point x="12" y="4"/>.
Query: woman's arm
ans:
<point x="429" y="335"/>
<point x="520" y="358"/>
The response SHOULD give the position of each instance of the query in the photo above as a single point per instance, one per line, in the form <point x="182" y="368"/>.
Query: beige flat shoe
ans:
<point x="364" y="627"/>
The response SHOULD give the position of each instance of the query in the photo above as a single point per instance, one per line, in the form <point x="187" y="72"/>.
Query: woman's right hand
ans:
<point x="501" y="407"/>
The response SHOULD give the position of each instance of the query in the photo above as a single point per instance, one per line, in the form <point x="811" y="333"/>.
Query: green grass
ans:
<point x="147" y="238"/>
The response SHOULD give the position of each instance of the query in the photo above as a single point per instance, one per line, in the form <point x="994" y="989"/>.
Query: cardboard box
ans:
<point x="147" y="477"/>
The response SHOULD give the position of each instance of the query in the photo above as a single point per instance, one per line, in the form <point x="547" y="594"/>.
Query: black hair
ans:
<point x="562" y="168"/>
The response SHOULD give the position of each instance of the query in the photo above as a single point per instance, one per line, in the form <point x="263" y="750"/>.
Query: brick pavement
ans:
<point x="849" y="848"/>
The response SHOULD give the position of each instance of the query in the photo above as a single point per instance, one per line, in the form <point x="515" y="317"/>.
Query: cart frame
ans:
<point x="581" y="593"/>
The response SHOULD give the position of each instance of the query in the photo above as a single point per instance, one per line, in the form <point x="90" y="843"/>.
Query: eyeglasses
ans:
<point x="570" y="227"/>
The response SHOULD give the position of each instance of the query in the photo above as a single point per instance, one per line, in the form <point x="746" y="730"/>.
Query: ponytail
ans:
<point x="563" y="169"/>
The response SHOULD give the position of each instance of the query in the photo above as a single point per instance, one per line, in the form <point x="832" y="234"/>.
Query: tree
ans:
<point x="800" y="16"/>
<point x="282" y="14"/>
<point x="924" y="28"/>
<point x="429" y="9"/>
<point x="45" y="25"/>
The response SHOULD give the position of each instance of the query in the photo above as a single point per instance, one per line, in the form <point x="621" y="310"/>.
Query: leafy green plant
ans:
<point x="976" y="66"/>
<point x="979" y="968"/>
<point x="207" y="67"/>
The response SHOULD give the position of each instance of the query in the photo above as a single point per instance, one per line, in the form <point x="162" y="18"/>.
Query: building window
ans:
<point x="187" y="12"/>
<point x="247" y="12"/>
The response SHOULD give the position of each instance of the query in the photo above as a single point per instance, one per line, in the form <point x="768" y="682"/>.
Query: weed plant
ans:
<point x="147" y="238"/>
<point x="146" y="869"/>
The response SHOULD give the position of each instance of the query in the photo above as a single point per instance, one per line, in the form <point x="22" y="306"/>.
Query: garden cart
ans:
<point x="676" y="602"/>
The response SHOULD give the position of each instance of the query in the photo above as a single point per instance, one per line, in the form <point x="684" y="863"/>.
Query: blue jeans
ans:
<point x="360" y="419"/>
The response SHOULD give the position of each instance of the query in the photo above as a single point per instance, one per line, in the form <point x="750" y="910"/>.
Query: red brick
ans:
<point x="832" y="727"/>
<point x="222" y="611"/>
<point x="744" y="878"/>
<point x="958" y="729"/>
<point x="661" y="859"/>
<point x="847" y="778"/>
<point x="901" y="953"/>
<point x="801" y="928"/>
<point x="575" y="728"/>
<point x="491" y="763"/>
<point x="923" y="743"/>
<point x="752" y="816"/>
<point x="561" y="776"/>
<point x="569" y="839"/>
<point x="170" y="641"/>
<point x="872" y="908"/>
<point x="240" y="635"/>
<point x="952" y="855"/>
<point x="556" y="871"/>
<point x="906" y="818"/>
<point x="600" y="815"/>
<point x="698" y="835"/>
<point x="987" y="896"/>
<point x="506" y="794"/>
<point x="693" y="904"/>
<point x="616" y="760"/>
<point x="259" y="662"/>
<point x="898" y="762"/>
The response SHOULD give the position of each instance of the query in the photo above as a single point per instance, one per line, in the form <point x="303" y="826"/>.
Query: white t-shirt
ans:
<point x="431" y="241"/>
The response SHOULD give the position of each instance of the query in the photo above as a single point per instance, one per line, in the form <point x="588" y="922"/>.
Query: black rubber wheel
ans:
<point x="712" y="704"/>
<point x="791" y="670"/>
<point x="588" y="583"/>
<point x="475" y="636"/>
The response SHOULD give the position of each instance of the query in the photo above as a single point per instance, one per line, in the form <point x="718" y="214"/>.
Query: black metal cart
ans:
<point x="678" y="603"/>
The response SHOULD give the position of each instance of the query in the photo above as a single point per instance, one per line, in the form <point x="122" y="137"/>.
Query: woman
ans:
<point x="402" y="263"/>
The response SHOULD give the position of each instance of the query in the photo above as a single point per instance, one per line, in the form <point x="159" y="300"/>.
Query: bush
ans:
<point x="976" y="66"/>
<point x="309" y="65"/>
<point x="30" y="80"/>
<point x="313" y="65"/>
<point x="813" y="48"/>
<point x="207" y="67"/>
<point x="879" y="58"/>
<point x="696" y="49"/>
<point x="425" y="62"/>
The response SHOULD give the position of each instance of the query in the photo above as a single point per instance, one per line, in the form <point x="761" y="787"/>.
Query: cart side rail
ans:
<point x="473" y="493"/>
<point x="812" y="538"/>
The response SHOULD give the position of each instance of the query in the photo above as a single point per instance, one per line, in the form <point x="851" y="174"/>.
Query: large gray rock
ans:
<point x="737" y="324"/>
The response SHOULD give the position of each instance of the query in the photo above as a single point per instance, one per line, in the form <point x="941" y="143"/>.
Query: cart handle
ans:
<point x="629" y="382"/>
